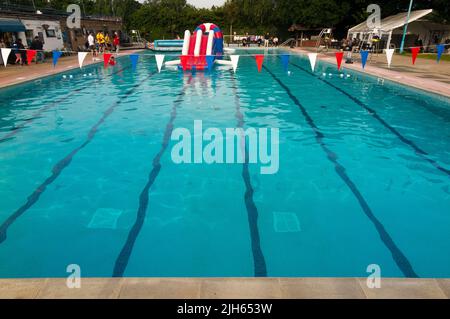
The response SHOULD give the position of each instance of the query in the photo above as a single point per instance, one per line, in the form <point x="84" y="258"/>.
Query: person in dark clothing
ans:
<point x="19" y="51"/>
<point x="37" y="45"/>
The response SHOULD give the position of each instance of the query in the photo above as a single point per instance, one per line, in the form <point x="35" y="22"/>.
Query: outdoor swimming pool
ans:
<point x="87" y="176"/>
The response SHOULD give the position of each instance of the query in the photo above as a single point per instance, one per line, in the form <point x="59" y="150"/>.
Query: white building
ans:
<point x="48" y="31"/>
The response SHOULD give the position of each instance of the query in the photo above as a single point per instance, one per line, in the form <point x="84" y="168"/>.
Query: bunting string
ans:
<point x="108" y="57"/>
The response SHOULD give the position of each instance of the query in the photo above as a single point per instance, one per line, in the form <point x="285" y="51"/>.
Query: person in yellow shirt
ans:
<point x="101" y="41"/>
<point x="107" y="42"/>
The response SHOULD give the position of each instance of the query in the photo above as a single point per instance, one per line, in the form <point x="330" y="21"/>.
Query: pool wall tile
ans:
<point x="321" y="288"/>
<point x="91" y="288"/>
<point x="161" y="288"/>
<point x="405" y="288"/>
<point x="20" y="289"/>
<point x="240" y="288"/>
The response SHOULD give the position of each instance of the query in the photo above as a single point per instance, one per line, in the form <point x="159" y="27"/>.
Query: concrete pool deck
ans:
<point x="427" y="75"/>
<point x="16" y="74"/>
<point x="225" y="288"/>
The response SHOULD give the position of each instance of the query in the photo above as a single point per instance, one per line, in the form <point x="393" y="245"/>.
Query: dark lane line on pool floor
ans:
<point x="259" y="261"/>
<point x="398" y="256"/>
<point x="124" y="256"/>
<point x="62" y="164"/>
<point x="424" y="155"/>
<point x="16" y="129"/>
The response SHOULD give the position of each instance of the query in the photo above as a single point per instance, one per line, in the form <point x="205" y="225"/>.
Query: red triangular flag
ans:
<point x="415" y="51"/>
<point x="183" y="60"/>
<point x="106" y="58"/>
<point x="30" y="55"/>
<point x="339" y="56"/>
<point x="259" y="61"/>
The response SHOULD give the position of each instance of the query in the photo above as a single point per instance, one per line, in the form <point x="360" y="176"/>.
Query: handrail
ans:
<point x="285" y="43"/>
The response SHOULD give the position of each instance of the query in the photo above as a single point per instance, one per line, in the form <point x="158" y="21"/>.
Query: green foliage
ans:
<point x="168" y="18"/>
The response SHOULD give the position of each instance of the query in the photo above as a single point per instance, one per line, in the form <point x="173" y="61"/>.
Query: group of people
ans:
<point x="265" y="40"/>
<point x="19" y="51"/>
<point x="101" y="43"/>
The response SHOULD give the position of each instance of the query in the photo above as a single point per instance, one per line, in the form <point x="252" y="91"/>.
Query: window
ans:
<point x="50" y="33"/>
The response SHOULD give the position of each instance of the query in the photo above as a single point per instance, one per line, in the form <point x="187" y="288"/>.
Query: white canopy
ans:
<point x="393" y="22"/>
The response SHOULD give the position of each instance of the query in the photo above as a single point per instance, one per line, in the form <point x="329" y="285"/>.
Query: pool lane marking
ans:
<point x="398" y="256"/>
<point x="16" y="129"/>
<point x="424" y="155"/>
<point x="62" y="164"/>
<point x="127" y="249"/>
<point x="259" y="261"/>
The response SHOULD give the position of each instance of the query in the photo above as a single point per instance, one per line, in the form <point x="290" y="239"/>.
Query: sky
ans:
<point x="201" y="3"/>
<point x="206" y="3"/>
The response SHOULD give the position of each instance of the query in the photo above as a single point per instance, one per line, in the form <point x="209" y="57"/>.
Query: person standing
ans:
<point x="266" y="40"/>
<point x="107" y="42"/>
<point x="116" y="42"/>
<point x="91" y="44"/>
<point x="18" y="50"/>
<point x="2" y="45"/>
<point x="37" y="45"/>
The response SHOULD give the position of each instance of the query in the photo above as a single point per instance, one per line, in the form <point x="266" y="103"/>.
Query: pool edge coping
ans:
<point x="225" y="288"/>
<point x="377" y="72"/>
<point x="53" y="72"/>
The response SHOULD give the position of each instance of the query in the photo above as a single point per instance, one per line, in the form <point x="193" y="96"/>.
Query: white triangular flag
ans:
<point x="159" y="61"/>
<point x="5" y="55"/>
<point x="389" y="54"/>
<point x="312" y="60"/>
<point x="81" y="56"/>
<point x="234" y="61"/>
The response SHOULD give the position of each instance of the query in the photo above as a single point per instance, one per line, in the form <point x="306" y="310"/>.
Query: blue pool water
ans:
<point x="87" y="176"/>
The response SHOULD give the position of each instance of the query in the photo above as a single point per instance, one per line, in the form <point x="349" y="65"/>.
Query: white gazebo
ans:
<point x="391" y="29"/>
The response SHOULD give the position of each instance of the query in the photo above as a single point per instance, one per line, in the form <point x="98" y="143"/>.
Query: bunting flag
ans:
<point x="234" y="61"/>
<point x="30" y="55"/>
<point x="56" y="55"/>
<point x="106" y="58"/>
<point x="134" y="60"/>
<point x="415" y="51"/>
<point x="312" y="60"/>
<point x="5" y="55"/>
<point x="259" y="61"/>
<point x="210" y="61"/>
<point x="440" y="50"/>
<point x="81" y="57"/>
<point x="389" y="55"/>
<point x="364" y="56"/>
<point x="285" y="60"/>
<point x="183" y="60"/>
<point x="159" y="61"/>
<point x="339" y="56"/>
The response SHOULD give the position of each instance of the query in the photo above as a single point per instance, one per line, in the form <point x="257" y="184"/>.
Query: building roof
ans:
<point x="299" y="27"/>
<point x="393" y="22"/>
<point x="11" y="25"/>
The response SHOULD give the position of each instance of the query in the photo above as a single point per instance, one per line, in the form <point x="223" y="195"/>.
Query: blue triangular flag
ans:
<point x="440" y="50"/>
<point x="364" y="56"/>
<point x="134" y="60"/>
<point x="285" y="61"/>
<point x="56" y="56"/>
<point x="210" y="61"/>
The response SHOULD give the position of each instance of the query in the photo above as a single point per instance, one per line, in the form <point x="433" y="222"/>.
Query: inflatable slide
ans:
<point x="202" y="49"/>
